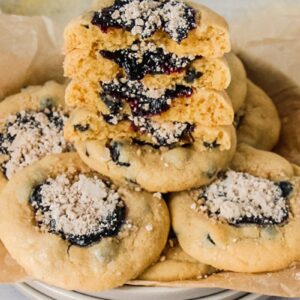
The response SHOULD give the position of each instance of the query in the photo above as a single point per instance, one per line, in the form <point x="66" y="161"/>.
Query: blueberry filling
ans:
<point x="46" y="211"/>
<point x="286" y="188"/>
<point x="114" y="149"/>
<point x="165" y="134"/>
<point x="145" y="17"/>
<point x="81" y="128"/>
<point x="145" y="58"/>
<point x="142" y="101"/>
<point x="192" y="75"/>
<point x="241" y="199"/>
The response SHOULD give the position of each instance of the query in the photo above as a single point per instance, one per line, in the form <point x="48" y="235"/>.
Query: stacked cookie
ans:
<point x="148" y="80"/>
<point x="149" y="115"/>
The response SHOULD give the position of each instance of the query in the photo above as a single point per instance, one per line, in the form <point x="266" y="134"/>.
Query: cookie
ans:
<point x="259" y="125"/>
<point x="237" y="89"/>
<point x="177" y="168"/>
<point x="162" y="73"/>
<point x="183" y="28"/>
<point x="245" y="221"/>
<point x="77" y="230"/>
<point x="85" y="125"/>
<point x="174" y="265"/>
<point x="120" y="99"/>
<point x="31" y="126"/>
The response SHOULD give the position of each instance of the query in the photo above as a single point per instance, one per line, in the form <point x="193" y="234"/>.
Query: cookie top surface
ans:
<point x="95" y="235"/>
<point x="244" y="214"/>
<point x="31" y="126"/>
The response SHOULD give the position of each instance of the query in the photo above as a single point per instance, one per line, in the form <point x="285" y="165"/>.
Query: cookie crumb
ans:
<point x="157" y="195"/>
<point x="162" y="259"/>
<point x="149" y="227"/>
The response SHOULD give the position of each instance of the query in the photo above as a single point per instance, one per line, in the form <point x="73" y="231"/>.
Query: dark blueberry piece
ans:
<point x="210" y="239"/>
<point x="36" y="198"/>
<point x="81" y="128"/>
<point x="113" y="103"/>
<point x="143" y="143"/>
<point x="114" y="149"/>
<point x="286" y="188"/>
<point x="212" y="145"/>
<point x="85" y="26"/>
<point x="191" y="75"/>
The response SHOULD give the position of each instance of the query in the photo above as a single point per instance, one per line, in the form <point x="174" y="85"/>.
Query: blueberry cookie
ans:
<point x="237" y="89"/>
<point x="85" y="125"/>
<point x="77" y="230"/>
<point x="247" y="220"/>
<point x="259" y="124"/>
<point x="153" y="67"/>
<point x="122" y="99"/>
<point x="31" y="126"/>
<point x="183" y="28"/>
<point x="174" y="265"/>
<point x="162" y="169"/>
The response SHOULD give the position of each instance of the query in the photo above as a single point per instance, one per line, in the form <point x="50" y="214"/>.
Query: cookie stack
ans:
<point x="149" y="115"/>
<point x="148" y="80"/>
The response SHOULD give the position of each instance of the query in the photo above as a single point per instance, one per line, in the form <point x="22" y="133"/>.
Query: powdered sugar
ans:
<point x="243" y="198"/>
<point x="28" y="136"/>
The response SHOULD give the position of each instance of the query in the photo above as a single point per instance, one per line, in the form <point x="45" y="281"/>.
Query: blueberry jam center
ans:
<point x="145" y="58"/>
<point x="142" y="101"/>
<point x="145" y="17"/>
<point x="106" y="227"/>
<point x="242" y="199"/>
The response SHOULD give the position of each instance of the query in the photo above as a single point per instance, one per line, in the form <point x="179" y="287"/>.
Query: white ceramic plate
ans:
<point x="40" y="291"/>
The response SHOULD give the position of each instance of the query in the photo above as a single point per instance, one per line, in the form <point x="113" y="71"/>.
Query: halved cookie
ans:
<point x="77" y="230"/>
<point x="183" y="28"/>
<point x="245" y="221"/>
<point x="156" y="69"/>
<point x="85" y="125"/>
<point x="259" y="122"/>
<point x="119" y="99"/>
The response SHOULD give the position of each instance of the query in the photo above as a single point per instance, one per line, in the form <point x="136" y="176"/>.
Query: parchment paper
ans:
<point x="266" y="35"/>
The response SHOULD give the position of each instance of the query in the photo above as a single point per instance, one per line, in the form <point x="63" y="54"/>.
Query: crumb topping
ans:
<point x="143" y="101"/>
<point x="242" y="198"/>
<point x="82" y="210"/>
<point x="165" y="133"/>
<point x="143" y="58"/>
<point x="145" y="17"/>
<point x="28" y="136"/>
